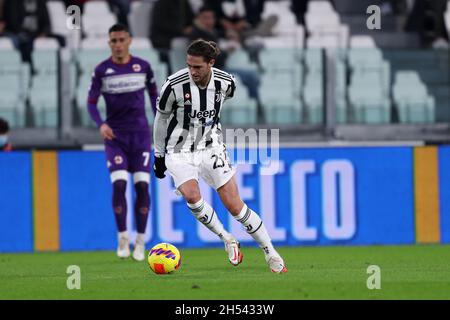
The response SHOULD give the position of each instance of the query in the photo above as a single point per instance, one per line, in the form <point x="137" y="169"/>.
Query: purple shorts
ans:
<point x="129" y="151"/>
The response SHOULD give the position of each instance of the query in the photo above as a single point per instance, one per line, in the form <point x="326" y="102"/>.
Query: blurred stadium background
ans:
<point x="321" y="75"/>
<point x="364" y="120"/>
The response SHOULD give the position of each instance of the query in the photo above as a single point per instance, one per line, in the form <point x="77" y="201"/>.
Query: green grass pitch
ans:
<point x="407" y="272"/>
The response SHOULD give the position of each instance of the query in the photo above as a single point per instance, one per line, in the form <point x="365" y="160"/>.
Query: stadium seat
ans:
<point x="279" y="59"/>
<point x="369" y="105"/>
<point x="313" y="89"/>
<point x="329" y="37"/>
<point x="241" y="110"/>
<point x="81" y="97"/>
<point x="92" y="25"/>
<point x="14" y="77"/>
<point x="177" y="59"/>
<point x="313" y="98"/>
<point x="362" y="41"/>
<point x="429" y="66"/>
<point x="160" y="69"/>
<point x="286" y="32"/>
<point x="140" y="18"/>
<point x="294" y="37"/>
<point x="282" y="67"/>
<point x="179" y="43"/>
<point x="313" y="61"/>
<point x="325" y="27"/>
<point x="320" y="7"/>
<point x="95" y="43"/>
<point x="341" y="86"/>
<point x="411" y="98"/>
<point x="447" y="20"/>
<point x="44" y="88"/>
<point x="368" y="70"/>
<point x="280" y="99"/>
<point x="239" y="59"/>
<point x="6" y="44"/>
<point x="318" y="21"/>
<point x="313" y="94"/>
<point x="58" y="22"/>
<point x="363" y="58"/>
<point x="365" y="74"/>
<point x="58" y="17"/>
<point x="87" y="60"/>
<point x="441" y="93"/>
<point x="140" y="43"/>
<point x="45" y="43"/>
<point x="322" y="42"/>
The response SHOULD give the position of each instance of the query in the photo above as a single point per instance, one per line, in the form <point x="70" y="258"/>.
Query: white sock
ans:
<point x="140" y="238"/>
<point x="123" y="234"/>
<point x="204" y="213"/>
<point x="255" y="227"/>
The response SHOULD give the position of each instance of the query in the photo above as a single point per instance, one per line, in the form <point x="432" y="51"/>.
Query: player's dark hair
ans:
<point x="118" y="27"/>
<point x="202" y="48"/>
<point x="205" y="8"/>
<point x="4" y="126"/>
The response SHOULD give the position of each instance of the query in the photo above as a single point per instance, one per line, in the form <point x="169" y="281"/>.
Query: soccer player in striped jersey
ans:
<point x="123" y="79"/>
<point x="188" y="143"/>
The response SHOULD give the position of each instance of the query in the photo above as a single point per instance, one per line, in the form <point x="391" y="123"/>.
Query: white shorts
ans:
<point x="212" y="165"/>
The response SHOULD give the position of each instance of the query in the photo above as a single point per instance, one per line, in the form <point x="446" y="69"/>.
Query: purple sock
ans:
<point x="120" y="204"/>
<point x="142" y="205"/>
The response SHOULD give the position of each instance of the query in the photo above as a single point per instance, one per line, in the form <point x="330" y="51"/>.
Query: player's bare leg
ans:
<point x="229" y="195"/>
<point x="204" y="213"/>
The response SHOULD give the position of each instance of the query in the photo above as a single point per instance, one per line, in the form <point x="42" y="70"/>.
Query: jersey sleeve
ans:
<point x="231" y="88"/>
<point x="95" y="87"/>
<point x="150" y="81"/>
<point x="152" y="88"/>
<point x="166" y="99"/>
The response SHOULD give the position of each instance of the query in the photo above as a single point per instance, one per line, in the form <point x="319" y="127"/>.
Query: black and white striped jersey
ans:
<point x="194" y="122"/>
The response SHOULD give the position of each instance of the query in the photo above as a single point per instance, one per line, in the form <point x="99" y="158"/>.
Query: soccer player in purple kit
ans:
<point x="122" y="80"/>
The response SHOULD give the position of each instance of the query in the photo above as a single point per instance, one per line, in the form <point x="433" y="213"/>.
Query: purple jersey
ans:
<point x="123" y="88"/>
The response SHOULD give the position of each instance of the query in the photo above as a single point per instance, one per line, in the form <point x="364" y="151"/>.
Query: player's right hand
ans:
<point x="106" y="132"/>
<point x="159" y="167"/>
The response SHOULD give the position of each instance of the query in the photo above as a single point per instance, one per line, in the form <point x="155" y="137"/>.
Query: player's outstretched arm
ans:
<point x="105" y="130"/>
<point x="159" y="137"/>
<point x="152" y="89"/>
<point x="164" y="107"/>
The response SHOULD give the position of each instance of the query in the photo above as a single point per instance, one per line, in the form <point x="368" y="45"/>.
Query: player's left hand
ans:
<point x="159" y="167"/>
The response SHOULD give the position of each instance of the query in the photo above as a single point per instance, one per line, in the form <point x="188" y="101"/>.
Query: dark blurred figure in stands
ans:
<point x="2" y="21"/>
<point x="170" y="19"/>
<point x="427" y="18"/>
<point x="79" y="3"/>
<point x="204" y="28"/>
<point x="299" y="7"/>
<point x="25" y="21"/>
<point x="230" y="14"/>
<point x="121" y="8"/>
<point x="4" y="131"/>
<point x="239" y="20"/>
<point x="253" y="11"/>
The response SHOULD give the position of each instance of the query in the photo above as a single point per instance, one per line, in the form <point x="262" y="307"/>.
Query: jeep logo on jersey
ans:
<point x="203" y="114"/>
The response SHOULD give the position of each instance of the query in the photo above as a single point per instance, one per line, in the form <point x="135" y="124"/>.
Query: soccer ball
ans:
<point x="164" y="258"/>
